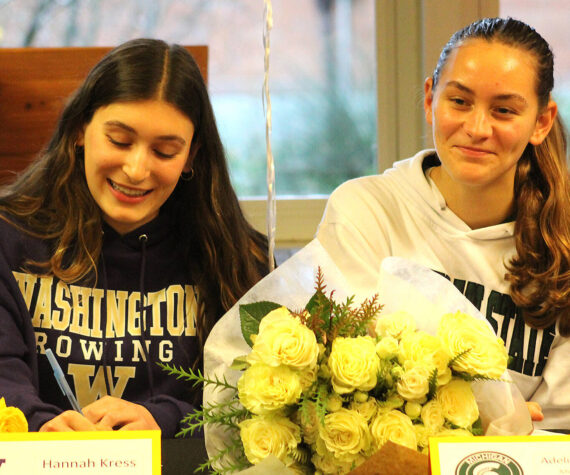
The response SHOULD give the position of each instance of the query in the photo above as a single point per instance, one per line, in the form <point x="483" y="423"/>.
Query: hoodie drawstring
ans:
<point x="105" y="291"/>
<point x="143" y="238"/>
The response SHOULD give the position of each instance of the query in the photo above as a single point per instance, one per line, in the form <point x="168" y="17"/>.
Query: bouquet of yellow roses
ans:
<point x="322" y="385"/>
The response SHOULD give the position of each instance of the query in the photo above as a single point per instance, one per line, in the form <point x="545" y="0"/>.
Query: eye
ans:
<point x="118" y="143"/>
<point x="459" y="101"/>
<point x="164" y="155"/>
<point x="166" y="149"/>
<point x="504" y="110"/>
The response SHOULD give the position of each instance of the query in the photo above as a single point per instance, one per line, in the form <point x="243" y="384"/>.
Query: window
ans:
<point x="322" y="83"/>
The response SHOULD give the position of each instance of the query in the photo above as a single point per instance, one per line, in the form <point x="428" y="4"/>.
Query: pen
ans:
<point x="60" y="378"/>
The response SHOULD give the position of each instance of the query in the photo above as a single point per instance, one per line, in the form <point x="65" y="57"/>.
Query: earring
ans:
<point x="187" y="176"/>
<point x="78" y="149"/>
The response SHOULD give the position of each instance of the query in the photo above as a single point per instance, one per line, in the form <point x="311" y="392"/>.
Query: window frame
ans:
<point x="420" y="28"/>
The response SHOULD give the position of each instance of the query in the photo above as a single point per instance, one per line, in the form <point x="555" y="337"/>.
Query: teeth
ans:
<point x="127" y="191"/>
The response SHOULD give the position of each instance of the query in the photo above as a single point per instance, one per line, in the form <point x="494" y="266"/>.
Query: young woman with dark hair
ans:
<point x="120" y="247"/>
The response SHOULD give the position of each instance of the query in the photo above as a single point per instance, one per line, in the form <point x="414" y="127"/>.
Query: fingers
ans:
<point x="535" y="411"/>
<point x="68" y="421"/>
<point x="111" y="413"/>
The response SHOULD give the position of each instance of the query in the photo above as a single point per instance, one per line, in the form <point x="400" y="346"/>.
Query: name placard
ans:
<point x="520" y="455"/>
<point x="74" y="453"/>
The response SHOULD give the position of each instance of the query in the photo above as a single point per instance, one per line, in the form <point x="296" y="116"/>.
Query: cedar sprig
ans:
<point x="347" y="321"/>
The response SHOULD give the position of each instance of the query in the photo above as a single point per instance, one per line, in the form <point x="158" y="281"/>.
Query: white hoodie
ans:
<point x="402" y="213"/>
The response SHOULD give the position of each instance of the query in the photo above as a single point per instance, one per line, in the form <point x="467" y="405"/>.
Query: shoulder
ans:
<point x="17" y="245"/>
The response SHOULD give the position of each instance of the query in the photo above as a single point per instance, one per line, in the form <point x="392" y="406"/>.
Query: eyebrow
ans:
<point x="128" y="128"/>
<point x="503" y="97"/>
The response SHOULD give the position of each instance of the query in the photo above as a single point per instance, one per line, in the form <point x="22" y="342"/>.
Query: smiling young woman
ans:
<point x="489" y="208"/>
<point x="120" y="247"/>
<point x="132" y="165"/>
<point x="481" y="128"/>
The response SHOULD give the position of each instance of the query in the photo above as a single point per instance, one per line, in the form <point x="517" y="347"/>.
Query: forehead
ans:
<point x="146" y="115"/>
<point x="479" y="62"/>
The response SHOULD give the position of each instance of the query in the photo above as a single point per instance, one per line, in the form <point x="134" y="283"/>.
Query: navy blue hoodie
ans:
<point x="95" y="330"/>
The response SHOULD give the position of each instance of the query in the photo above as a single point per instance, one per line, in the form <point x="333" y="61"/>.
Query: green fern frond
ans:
<point x="197" y="378"/>
<point x="458" y="357"/>
<point x="432" y="381"/>
<point x="321" y="401"/>
<point x="227" y="414"/>
<point x="234" y="449"/>
<point x="300" y="454"/>
<point x="478" y="377"/>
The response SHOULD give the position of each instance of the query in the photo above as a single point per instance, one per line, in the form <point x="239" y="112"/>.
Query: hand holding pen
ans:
<point x="61" y="381"/>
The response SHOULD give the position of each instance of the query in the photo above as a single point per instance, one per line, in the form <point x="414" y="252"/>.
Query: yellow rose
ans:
<point x="325" y="462"/>
<point x="414" y="383"/>
<point x="413" y="410"/>
<point x="393" y="401"/>
<point x="345" y="433"/>
<point x="395" y="324"/>
<point x="483" y="352"/>
<point x="12" y="419"/>
<point x="366" y="409"/>
<point x="432" y="416"/>
<point x="284" y="340"/>
<point x="444" y="432"/>
<point x="458" y="403"/>
<point x="307" y="377"/>
<point x="422" y="435"/>
<point x="353" y="364"/>
<point x="394" y="426"/>
<point x="421" y="348"/>
<point x="263" y="389"/>
<point x="265" y="435"/>
<point x="387" y="348"/>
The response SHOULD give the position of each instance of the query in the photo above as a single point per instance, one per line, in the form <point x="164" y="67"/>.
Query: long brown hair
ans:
<point x="539" y="273"/>
<point x="51" y="199"/>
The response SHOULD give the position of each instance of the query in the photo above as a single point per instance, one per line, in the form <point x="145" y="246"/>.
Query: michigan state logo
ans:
<point x="488" y="463"/>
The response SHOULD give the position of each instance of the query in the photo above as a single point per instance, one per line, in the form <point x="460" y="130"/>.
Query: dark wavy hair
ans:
<point x="539" y="274"/>
<point x="51" y="199"/>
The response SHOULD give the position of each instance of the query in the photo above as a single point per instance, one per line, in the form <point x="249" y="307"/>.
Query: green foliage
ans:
<point x="477" y="427"/>
<point x="251" y="314"/>
<point x="230" y="462"/>
<point x="321" y="400"/>
<point x="228" y="414"/>
<point x="458" y="357"/>
<point x="322" y="314"/>
<point x="432" y="384"/>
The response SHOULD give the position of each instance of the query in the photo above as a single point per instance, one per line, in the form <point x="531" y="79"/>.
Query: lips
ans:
<point x="131" y="192"/>
<point x="473" y="151"/>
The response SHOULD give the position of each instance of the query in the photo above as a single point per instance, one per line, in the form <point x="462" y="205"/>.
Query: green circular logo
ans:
<point x="488" y="463"/>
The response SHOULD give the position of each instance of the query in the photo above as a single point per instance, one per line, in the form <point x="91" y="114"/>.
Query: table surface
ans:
<point x="182" y="456"/>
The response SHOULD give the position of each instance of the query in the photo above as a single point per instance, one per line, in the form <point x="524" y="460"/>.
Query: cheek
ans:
<point x="168" y="174"/>
<point x="515" y="137"/>
<point x="445" y="122"/>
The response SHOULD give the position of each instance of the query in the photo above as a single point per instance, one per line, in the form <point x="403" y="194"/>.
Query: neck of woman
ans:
<point x="477" y="206"/>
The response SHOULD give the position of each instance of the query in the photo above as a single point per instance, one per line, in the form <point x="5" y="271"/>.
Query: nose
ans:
<point x="478" y="125"/>
<point x="136" y="165"/>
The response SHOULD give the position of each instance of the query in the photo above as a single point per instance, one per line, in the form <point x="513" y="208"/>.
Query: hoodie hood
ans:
<point x="412" y="175"/>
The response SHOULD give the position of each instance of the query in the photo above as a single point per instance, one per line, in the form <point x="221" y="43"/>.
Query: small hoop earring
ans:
<point x="187" y="176"/>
